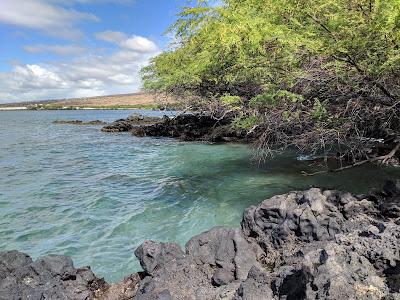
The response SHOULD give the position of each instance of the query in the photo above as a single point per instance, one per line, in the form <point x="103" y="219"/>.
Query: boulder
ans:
<point x="213" y="264"/>
<point x="154" y="256"/>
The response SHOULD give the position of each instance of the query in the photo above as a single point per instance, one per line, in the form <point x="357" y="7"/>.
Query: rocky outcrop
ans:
<point x="313" y="244"/>
<point x="213" y="265"/>
<point x="133" y="121"/>
<point x="54" y="277"/>
<point x="187" y="127"/>
<point x="326" y="245"/>
<point x="51" y="277"/>
<point x="191" y="127"/>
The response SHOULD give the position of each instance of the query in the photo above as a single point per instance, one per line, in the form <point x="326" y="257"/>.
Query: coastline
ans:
<point x="185" y="127"/>
<point x="131" y="107"/>
<point x="289" y="246"/>
<point x="313" y="244"/>
<point x="13" y="108"/>
<point x="200" y="150"/>
<point x="138" y="100"/>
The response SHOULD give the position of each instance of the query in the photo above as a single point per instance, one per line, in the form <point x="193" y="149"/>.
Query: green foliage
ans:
<point x="283" y="95"/>
<point x="296" y="65"/>
<point x="233" y="101"/>
<point x="245" y="122"/>
<point x="242" y="47"/>
<point x="319" y="111"/>
<point x="224" y="49"/>
<point x="263" y="100"/>
<point x="273" y="98"/>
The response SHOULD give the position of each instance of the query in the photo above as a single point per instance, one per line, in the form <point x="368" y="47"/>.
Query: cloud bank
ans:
<point x="89" y="74"/>
<point x="77" y="71"/>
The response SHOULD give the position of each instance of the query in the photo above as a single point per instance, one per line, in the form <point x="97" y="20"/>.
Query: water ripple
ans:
<point x="76" y="191"/>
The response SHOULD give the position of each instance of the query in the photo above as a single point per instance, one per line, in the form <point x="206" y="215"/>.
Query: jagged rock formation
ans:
<point x="213" y="264"/>
<point x="303" y="245"/>
<point x="314" y="244"/>
<point x="51" y="277"/>
<point x="54" y="277"/>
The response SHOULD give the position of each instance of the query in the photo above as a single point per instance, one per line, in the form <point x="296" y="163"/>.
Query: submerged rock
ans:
<point x="313" y="244"/>
<point x="79" y="122"/>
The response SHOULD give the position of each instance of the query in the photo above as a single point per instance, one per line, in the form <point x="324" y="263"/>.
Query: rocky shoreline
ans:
<point x="186" y="127"/>
<point x="204" y="127"/>
<point x="313" y="244"/>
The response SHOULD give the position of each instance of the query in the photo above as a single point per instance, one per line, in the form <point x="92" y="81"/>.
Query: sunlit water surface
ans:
<point x="74" y="190"/>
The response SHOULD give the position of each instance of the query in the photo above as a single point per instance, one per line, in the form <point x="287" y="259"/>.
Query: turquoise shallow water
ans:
<point x="73" y="190"/>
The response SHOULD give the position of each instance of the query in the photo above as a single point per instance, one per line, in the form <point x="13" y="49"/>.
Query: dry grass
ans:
<point x="134" y="100"/>
<point x="113" y="100"/>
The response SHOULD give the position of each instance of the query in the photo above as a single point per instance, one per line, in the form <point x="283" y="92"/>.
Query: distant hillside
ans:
<point x="134" y="100"/>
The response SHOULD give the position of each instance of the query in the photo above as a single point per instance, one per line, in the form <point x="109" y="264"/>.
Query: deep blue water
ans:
<point x="74" y="190"/>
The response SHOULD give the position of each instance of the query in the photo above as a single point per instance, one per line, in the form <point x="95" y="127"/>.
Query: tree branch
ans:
<point x="383" y="160"/>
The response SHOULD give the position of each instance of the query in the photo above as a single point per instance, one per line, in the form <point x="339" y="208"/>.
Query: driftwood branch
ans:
<point x="383" y="160"/>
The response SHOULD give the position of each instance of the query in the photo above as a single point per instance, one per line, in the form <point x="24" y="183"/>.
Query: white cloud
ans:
<point x="89" y="74"/>
<point x="64" y="50"/>
<point x="135" y="43"/>
<point x="139" y="44"/>
<point x="34" y="76"/>
<point x="44" y="16"/>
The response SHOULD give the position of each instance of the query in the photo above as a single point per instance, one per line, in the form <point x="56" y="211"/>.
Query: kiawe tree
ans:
<point x="321" y="76"/>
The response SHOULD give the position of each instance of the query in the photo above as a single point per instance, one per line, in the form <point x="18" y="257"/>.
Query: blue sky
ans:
<point x="76" y="48"/>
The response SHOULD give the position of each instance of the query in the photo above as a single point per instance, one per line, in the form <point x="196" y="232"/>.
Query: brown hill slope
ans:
<point x="134" y="100"/>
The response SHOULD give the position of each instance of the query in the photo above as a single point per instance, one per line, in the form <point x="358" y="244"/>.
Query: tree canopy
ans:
<point x="320" y="75"/>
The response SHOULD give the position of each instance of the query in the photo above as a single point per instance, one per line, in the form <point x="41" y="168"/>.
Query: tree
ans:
<point x="322" y="76"/>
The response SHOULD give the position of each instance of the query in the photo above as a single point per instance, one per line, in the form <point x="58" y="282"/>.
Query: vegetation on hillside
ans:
<point x="319" y="75"/>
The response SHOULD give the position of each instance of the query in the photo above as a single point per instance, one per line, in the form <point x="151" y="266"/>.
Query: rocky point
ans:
<point x="187" y="127"/>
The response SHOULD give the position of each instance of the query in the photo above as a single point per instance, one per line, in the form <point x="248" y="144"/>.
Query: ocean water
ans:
<point x="74" y="190"/>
